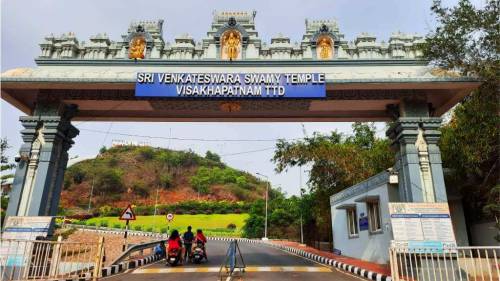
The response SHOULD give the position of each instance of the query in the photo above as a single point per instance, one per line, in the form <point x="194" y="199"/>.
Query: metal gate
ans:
<point x="50" y="260"/>
<point x="438" y="264"/>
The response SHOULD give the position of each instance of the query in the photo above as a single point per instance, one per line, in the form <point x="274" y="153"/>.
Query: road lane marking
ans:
<point x="247" y="269"/>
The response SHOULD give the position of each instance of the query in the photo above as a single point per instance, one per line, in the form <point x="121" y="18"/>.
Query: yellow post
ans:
<point x="98" y="259"/>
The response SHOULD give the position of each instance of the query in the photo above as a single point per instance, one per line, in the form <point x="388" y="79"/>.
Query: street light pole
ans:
<point x="301" y="208"/>
<point x="267" y="196"/>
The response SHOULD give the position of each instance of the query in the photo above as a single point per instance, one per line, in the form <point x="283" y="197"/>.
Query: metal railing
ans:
<point x="139" y="249"/>
<point x="443" y="264"/>
<point x="49" y="260"/>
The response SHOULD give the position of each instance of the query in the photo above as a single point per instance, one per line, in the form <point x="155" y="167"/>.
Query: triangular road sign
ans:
<point x="127" y="214"/>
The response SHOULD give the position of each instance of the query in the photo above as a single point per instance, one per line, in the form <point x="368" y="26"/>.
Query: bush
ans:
<point x="165" y="180"/>
<point x="149" y="229"/>
<point x="108" y="211"/>
<point x="117" y="225"/>
<point x="109" y="181"/>
<point x="113" y="162"/>
<point x="91" y="223"/>
<point x="212" y="156"/>
<point x="103" y="223"/>
<point x="139" y="189"/>
<point x="163" y="230"/>
<point x="138" y="228"/>
<point x="77" y="174"/>
<point x="103" y="149"/>
<point x="146" y="152"/>
<point x="80" y="216"/>
<point x="231" y="226"/>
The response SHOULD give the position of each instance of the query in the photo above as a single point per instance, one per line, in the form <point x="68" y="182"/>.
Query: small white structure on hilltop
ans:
<point x="115" y="143"/>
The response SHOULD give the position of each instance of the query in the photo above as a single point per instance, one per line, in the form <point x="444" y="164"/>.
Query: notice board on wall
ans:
<point x="421" y="222"/>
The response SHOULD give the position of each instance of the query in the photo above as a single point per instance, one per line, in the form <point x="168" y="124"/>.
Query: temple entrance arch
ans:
<point x="89" y="83"/>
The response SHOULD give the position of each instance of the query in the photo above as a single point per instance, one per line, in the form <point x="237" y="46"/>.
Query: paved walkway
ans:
<point x="378" y="268"/>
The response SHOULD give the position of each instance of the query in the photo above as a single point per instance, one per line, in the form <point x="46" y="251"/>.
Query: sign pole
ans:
<point x="170" y="217"/>
<point x="125" y="237"/>
<point x="127" y="215"/>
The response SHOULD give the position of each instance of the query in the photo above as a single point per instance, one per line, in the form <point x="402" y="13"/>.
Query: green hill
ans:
<point x="132" y="174"/>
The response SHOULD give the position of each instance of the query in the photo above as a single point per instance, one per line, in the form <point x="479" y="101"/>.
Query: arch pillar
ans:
<point x="415" y="136"/>
<point x="47" y="137"/>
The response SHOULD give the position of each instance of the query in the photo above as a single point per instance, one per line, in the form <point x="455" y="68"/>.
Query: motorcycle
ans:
<point x="173" y="257"/>
<point x="198" y="253"/>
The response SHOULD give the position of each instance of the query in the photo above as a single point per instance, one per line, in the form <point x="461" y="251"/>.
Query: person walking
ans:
<point x="188" y="238"/>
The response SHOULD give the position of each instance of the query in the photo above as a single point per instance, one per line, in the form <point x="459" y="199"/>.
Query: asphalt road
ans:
<point x="262" y="263"/>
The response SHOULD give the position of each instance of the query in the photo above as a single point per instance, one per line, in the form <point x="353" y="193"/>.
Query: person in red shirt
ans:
<point x="203" y="239"/>
<point x="175" y="244"/>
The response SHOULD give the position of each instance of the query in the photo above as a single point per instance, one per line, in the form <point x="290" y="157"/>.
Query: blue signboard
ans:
<point x="231" y="85"/>
<point x="363" y="223"/>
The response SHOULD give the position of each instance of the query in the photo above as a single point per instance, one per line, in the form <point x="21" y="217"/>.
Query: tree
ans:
<point x="212" y="156"/>
<point x="254" y="225"/>
<point x="109" y="181"/>
<point x="5" y="165"/>
<point x="467" y="40"/>
<point x="338" y="162"/>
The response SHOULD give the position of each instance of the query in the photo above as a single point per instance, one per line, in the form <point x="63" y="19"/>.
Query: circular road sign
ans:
<point x="170" y="217"/>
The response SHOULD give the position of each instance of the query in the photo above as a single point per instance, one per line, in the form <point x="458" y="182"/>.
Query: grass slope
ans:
<point x="212" y="225"/>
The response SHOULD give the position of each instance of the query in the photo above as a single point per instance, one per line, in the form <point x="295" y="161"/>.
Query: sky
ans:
<point x="25" y="23"/>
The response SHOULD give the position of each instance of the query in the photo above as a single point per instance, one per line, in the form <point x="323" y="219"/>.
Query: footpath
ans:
<point x="382" y="269"/>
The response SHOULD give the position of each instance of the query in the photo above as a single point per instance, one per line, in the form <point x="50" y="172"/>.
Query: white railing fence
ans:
<point x="443" y="264"/>
<point x="49" y="260"/>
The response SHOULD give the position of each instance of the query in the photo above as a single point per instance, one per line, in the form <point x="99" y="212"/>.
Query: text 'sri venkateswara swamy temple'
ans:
<point x="366" y="80"/>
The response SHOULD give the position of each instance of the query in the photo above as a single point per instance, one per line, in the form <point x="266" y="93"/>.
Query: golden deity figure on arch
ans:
<point x="137" y="47"/>
<point x="324" y="48"/>
<point x="231" y="45"/>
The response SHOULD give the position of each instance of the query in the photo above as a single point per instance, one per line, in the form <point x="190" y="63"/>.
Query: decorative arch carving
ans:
<point x="137" y="47"/>
<point x="231" y="45"/>
<point x="139" y="43"/>
<point x="324" y="47"/>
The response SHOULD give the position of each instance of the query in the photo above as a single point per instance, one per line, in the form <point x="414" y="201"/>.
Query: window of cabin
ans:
<point x="352" y="223"/>
<point x="374" y="221"/>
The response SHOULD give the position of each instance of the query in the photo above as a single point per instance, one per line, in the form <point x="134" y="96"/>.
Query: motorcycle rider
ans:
<point x="188" y="238"/>
<point x="200" y="237"/>
<point x="175" y="244"/>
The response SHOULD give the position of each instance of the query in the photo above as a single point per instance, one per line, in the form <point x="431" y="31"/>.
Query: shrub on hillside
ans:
<point x="117" y="225"/>
<point x="83" y="216"/>
<point x="146" y="152"/>
<point x="103" y="149"/>
<point x="144" y="210"/>
<point x="109" y="181"/>
<point x="138" y="227"/>
<point x="212" y="156"/>
<point x="165" y="180"/>
<point x="103" y="223"/>
<point x="109" y="211"/>
<point x="139" y="188"/>
<point x="231" y="226"/>
<point x="113" y="162"/>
